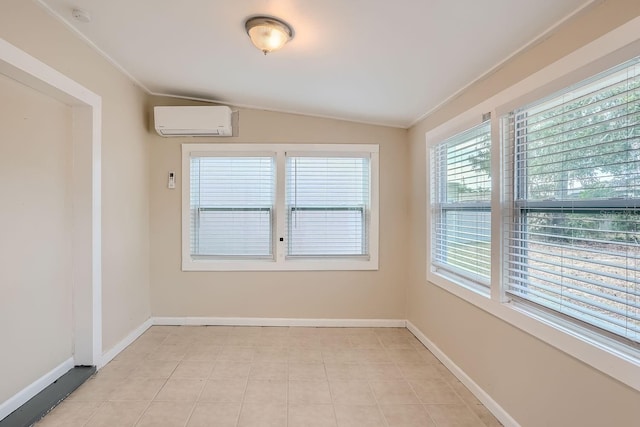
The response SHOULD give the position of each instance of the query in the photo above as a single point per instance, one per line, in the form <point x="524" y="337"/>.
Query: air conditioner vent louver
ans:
<point x="193" y="121"/>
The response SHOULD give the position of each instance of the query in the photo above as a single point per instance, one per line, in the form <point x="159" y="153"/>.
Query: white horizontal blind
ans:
<point x="460" y="203"/>
<point x="231" y="205"/>
<point x="328" y="206"/>
<point x="574" y="233"/>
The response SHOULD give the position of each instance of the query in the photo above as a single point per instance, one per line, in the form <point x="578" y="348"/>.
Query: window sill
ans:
<point x="602" y="353"/>
<point x="288" y="265"/>
<point x="443" y="278"/>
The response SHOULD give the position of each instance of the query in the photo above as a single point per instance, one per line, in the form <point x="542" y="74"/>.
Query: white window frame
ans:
<point x="280" y="261"/>
<point x="596" y="349"/>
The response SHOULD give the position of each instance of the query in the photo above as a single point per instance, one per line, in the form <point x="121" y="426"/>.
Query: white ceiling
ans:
<point x="378" y="61"/>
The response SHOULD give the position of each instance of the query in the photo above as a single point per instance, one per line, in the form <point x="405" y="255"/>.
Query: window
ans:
<point x="327" y="206"/>
<point x="231" y="209"/>
<point x="461" y="206"/>
<point x="574" y="176"/>
<point x="239" y="215"/>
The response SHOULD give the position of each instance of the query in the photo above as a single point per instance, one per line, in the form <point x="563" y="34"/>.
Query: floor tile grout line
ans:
<point x="155" y="395"/>
<point x="423" y="405"/>
<point x="193" y="407"/>
<point x="375" y="398"/>
<point x="195" y="403"/>
<point x="464" y="402"/>
<point x="286" y="398"/>
<point x="90" y="417"/>
<point x="244" y="395"/>
<point x="333" y="406"/>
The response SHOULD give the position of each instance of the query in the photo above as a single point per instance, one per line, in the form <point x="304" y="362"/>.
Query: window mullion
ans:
<point x="279" y="234"/>
<point x="496" y="290"/>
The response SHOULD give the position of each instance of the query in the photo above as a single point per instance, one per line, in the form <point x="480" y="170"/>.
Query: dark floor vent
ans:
<point x="40" y="404"/>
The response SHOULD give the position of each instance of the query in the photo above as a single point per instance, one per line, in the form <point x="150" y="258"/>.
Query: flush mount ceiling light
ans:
<point x="267" y="33"/>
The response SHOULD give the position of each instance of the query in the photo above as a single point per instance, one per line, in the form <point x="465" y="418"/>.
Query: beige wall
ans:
<point x="35" y="228"/>
<point x="325" y="294"/>
<point x="535" y="383"/>
<point x="125" y="157"/>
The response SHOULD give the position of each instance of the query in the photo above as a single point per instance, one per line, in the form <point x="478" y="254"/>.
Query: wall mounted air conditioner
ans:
<point x="193" y="121"/>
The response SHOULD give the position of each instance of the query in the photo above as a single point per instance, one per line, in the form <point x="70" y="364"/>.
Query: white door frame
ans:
<point x="86" y="109"/>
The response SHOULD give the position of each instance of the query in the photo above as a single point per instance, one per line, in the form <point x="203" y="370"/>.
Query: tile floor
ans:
<point x="265" y="376"/>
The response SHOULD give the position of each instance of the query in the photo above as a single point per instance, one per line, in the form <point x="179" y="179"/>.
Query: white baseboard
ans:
<point x="267" y="321"/>
<point x="20" y="398"/>
<point x="497" y="410"/>
<point x="116" y="349"/>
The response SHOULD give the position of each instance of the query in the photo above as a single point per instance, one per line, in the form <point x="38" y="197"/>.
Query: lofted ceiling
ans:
<point x="377" y="61"/>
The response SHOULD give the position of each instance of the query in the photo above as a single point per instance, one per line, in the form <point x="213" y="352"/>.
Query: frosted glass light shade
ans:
<point x="268" y="34"/>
